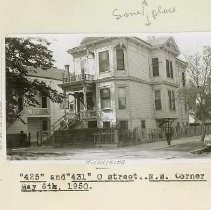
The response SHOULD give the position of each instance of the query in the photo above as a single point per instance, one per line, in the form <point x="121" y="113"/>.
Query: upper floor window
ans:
<point x="120" y="59"/>
<point x="155" y="67"/>
<point x="105" y="98"/>
<point x="171" y="96"/>
<point x="158" y="100"/>
<point x="169" y="69"/>
<point x="122" y="97"/>
<point x="183" y="78"/>
<point x="103" y="61"/>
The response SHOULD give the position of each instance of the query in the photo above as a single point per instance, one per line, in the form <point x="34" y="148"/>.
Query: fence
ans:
<point x="138" y="136"/>
<point x="101" y="137"/>
<point x="17" y="140"/>
<point x="86" y="136"/>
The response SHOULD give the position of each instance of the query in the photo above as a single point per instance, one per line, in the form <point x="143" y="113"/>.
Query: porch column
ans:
<point x="75" y="105"/>
<point x="85" y="99"/>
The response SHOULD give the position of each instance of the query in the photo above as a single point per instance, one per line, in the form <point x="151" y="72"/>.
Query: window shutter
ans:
<point x="169" y="95"/>
<point x="173" y="101"/>
<point x="171" y="69"/>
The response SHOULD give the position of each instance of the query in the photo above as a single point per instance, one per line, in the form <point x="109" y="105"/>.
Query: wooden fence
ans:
<point x="101" y="137"/>
<point x="86" y="137"/>
<point x="138" y="136"/>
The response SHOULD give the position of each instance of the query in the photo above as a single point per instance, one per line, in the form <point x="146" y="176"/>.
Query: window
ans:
<point x="103" y="61"/>
<point x="120" y="59"/>
<point x="71" y="106"/>
<point x="20" y="104"/>
<point x="171" y="100"/>
<point x="183" y="78"/>
<point x="44" y="125"/>
<point x="123" y="124"/>
<point x="44" y="102"/>
<point x="90" y="100"/>
<point x="122" y="97"/>
<point x="155" y="67"/>
<point x="143" y="124"/>
<point x="105" y="98"/>
<point x="158" y="100"/>
<point x="65" y="104"/>
<point x="169" y="69"/>
<point x="106" y="124"/>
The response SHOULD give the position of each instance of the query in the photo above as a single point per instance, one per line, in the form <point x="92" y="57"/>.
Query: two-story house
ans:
<point x="126" y="82"/>
<point x="37" y="120"/>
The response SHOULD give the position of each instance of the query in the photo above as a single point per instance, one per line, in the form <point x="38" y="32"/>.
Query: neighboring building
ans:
<point x="126" y="82"/>
<point x="38" y="119"/>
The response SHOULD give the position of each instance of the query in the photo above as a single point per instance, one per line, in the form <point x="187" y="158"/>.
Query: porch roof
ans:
<point x="78" y="86"/>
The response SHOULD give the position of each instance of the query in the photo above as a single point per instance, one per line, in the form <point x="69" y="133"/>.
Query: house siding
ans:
<point x="34" y="123"/>
<point x="137" y="78"/>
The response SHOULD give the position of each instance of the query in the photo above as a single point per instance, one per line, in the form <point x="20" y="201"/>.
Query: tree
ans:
<point x="197" y="94"/>
<point x="20" y="54"/>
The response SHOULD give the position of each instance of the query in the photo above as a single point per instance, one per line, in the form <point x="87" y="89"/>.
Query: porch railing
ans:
<point x="79" y="77"/>
<point x="38" y="111"/>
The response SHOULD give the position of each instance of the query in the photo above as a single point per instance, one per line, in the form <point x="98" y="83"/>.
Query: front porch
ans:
<point x="82" y="88"/>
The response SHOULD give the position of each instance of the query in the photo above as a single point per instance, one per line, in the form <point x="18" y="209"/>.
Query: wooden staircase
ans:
<point x="64" y="123"/>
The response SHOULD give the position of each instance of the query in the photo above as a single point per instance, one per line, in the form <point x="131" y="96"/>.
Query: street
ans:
<point x="180" y="149"/>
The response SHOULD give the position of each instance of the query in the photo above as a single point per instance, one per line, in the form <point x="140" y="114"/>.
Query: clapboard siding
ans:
<point x="34" y="126"/>
<point x="138" y="62"/>
<point x="142" y="107"/>
<point x="18" y="126"/>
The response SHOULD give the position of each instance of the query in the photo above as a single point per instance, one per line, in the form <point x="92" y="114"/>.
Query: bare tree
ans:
<point x="197" y="94"/>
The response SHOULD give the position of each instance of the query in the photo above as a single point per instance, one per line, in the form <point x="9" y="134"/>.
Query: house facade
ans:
<point x="38" y="119"/>
<point x="126" y="82"/>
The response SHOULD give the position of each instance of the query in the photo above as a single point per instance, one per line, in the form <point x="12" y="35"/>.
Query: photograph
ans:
<point x="111" y="96"/>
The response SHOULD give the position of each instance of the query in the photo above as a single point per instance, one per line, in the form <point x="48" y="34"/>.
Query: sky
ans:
<point x="188" y="43"/>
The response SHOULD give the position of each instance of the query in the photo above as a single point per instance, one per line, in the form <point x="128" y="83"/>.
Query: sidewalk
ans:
<point x="180" y="148"/>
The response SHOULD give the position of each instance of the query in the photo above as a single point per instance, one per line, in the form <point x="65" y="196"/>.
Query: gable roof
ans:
<point x="167" y="42"/>
<point x="52" y="73"/>
<point x="158" y="40"/>
<point x="88" y="40"/>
